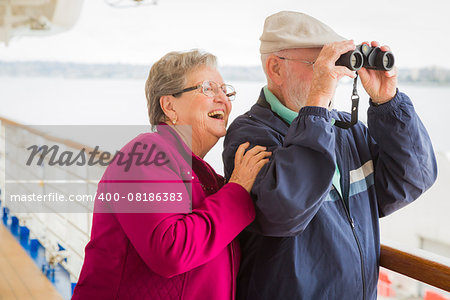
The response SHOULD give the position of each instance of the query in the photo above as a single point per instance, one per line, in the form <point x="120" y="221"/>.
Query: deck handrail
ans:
<point x="419" y="264"/>
<point x="66" y="142"/>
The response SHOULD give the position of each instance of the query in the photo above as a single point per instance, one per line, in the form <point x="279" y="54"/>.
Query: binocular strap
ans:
<point x="354" y="111"/>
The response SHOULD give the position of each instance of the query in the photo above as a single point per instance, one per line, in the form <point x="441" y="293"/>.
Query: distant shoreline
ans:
<point x="433" y="76"/>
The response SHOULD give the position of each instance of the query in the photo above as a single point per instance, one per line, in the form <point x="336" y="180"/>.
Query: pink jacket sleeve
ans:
<point x="171" y="244"/>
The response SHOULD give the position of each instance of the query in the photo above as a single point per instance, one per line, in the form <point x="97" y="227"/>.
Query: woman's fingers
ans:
<point x="256" y="158"/>
<point x="256" y="149"/>
<point x="260" y="164"/>
<point x="240" y="153"/>
<point x="247" y="165"/>
<point x="253" y="155"/>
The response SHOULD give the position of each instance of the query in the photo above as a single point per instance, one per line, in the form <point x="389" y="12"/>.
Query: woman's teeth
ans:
<point x="216" y="114"/>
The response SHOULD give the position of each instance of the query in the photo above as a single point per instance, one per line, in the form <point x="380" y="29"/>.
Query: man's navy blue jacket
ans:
<point x="307" y="241"/>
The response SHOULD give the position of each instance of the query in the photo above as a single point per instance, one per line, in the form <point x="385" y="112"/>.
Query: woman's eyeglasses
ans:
<point x="211" y="89"/>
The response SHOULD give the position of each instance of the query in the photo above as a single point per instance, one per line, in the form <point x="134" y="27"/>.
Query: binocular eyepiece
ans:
<point x="367" y="57"/>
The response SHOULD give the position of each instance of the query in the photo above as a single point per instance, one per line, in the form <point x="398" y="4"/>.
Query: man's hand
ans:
<point x="380" y="85"/>
<point x="326" y="74"/>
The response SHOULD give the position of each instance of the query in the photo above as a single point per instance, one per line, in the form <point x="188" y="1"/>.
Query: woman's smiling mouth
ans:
<point x="216" y="114"/>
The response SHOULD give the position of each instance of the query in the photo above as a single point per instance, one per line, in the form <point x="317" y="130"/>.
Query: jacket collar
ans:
<point x="279" y="108"/>
<point x="172" y="137"/>
<point x="261" y="112"/>
<point x="211" y="182"/>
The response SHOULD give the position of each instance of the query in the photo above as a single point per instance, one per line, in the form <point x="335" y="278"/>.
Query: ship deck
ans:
<point x="20" y="278"/>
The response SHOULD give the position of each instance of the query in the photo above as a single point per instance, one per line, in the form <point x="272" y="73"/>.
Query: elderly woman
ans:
<point x="175" y="255"/>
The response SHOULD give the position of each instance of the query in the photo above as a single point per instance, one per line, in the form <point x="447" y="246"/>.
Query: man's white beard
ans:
<point x="297" y="94"/>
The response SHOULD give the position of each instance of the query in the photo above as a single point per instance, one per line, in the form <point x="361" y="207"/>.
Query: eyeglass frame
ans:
<point x="192" y="88"/>
<point x="311" y="63"/>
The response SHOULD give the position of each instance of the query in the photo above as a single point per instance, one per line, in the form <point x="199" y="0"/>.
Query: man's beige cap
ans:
<point x="290" y="29"/>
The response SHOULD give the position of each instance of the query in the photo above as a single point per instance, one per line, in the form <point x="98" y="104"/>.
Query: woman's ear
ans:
<point x="273" y="69"/>
<point x="167" y="106"/>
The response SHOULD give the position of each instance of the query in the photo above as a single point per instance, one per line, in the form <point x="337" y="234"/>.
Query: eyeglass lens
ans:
<point x="210" y="89"/>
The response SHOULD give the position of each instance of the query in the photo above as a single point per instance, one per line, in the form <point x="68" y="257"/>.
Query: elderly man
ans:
<point x="318" y="200"/>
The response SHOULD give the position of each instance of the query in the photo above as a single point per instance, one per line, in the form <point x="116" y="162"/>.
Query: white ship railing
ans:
<point x="69" y="230"/>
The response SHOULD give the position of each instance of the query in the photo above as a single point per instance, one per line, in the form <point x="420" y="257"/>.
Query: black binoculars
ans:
<point x="367" y="57"/>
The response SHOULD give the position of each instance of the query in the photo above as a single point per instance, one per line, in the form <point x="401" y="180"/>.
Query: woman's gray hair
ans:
<point x="169" y="76"/>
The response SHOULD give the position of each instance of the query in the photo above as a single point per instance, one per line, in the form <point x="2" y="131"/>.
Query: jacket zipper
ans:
<point x="352" y="224"/>
<point x="345" y="193"/>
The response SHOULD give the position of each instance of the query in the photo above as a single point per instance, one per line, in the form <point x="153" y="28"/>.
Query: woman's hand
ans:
<point x="248" y="165"/>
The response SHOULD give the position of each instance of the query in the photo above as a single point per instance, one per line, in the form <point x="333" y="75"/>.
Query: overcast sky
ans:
<point x="418" y="31"/>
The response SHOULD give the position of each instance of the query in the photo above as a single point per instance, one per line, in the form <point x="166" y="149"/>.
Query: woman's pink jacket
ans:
<point x="190" y="255"/>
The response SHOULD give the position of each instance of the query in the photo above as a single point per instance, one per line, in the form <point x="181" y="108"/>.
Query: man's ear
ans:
<point x="273" y="69"/>
<point x="167" y="106"/>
